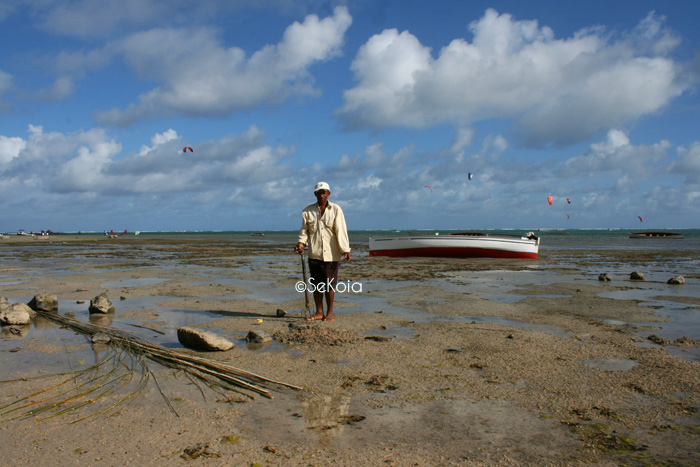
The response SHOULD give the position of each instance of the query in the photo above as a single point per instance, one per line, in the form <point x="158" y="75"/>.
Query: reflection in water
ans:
<point x="256" y="345"/>
<point x="325" y="414"/>
<point x="40" y="322"/>
<point x="99" y="319"/>
<point x="15" y="331"/>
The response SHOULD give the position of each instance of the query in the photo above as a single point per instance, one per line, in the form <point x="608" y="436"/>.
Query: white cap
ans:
<point x="322" y="186"/>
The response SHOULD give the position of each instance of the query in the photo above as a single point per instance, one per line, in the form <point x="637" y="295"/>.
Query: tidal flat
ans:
<point x="428" y="362"/>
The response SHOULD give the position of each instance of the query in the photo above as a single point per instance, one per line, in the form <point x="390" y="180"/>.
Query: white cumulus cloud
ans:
<point x="553" y="90"/>
<point x="202" y="77"/>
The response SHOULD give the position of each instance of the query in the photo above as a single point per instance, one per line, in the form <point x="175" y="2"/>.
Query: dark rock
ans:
<point x="637" y="276"/>
<point x="378" y="338"/>
<point x="605" y="277"/>
<point x="44" y="302"/>
<point x="658" y="340"/>
<point x="281" y="312"/>
<point x="678" y="280"/>
<point x="258" y="337"/>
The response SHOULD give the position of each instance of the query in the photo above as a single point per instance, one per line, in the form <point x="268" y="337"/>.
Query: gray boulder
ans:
<point x="44" y="302"/>
<point x="16" y="314"/>
<point x="606" y="277"/>
<point x="101" y="304"/>
<point x="637" y="276"/>
<point x="200" y="339"/>
<point x="678" y="280"/>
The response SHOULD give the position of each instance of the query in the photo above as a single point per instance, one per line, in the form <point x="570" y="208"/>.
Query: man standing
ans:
<point x="324" y="231"/>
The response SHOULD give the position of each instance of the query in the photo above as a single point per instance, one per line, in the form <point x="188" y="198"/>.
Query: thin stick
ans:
<point x="146" y="327"/>
<point x="307" y="311"/>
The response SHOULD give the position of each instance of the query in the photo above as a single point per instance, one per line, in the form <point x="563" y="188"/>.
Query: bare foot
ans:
<point x="315" y="317"/>
<point x="328" y="318"/>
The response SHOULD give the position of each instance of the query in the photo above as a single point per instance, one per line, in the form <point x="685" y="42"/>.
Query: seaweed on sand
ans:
<point x="125" y="364"/>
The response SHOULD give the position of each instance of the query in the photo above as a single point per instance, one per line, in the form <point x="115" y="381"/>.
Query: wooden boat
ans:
<point x="656" y="235"/>
<point x="457" y="245"/>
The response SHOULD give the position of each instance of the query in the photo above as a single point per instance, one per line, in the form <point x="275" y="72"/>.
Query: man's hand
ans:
<point x="300" y="248"/>
<point x="346" y="256"/>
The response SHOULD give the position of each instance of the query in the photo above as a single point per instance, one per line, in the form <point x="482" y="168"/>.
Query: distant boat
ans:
<point x="257" y="234"/>
<point x="656" y="235"/>
<point x="457" y="245"/>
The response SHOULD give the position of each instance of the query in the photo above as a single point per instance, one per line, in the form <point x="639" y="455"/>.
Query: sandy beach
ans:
<point x="428" y="362"/>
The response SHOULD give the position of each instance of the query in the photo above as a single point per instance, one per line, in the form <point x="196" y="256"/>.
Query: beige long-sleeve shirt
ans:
<point x="326" y="235"/>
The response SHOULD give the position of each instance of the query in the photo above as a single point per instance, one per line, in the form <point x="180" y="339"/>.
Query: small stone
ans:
<point x="378" y="338"/>
<point x="637" y="276"/>
<point x="658" y="340"/>
<point x="606" y="277"/>
<point x="678" y="280"/>
<point x="44" y="302"/>
<point x="101" y="304"/>
<point x="258" y="337"/>
<point x="200" y="339"/>
<point x="100" y="338"/>
<point x="281" y="312"/>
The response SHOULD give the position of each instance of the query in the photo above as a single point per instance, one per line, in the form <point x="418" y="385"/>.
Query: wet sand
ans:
<point x="433" y="362"/>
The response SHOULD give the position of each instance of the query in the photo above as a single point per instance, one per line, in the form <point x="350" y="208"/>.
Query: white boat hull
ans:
<point x="456" y="246"/>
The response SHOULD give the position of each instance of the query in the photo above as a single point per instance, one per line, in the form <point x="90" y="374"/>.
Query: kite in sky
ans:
<point x="470" y="175"/>
<point x="549" y="200"/>
<point x="186" y="148"/>
<point x="640" y="218"/>
<point x="428" y="186"/>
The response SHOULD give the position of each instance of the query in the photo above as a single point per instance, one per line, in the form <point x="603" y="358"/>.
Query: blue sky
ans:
<point x="593" y="101"/>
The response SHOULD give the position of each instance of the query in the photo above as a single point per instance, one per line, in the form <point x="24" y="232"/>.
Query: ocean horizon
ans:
<point x="550" y="238"/>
